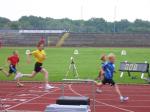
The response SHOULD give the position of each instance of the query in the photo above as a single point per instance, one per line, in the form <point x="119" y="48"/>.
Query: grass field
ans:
<point x="87" y="61"/>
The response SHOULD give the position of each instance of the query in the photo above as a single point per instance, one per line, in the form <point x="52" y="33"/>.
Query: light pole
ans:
<point x="115" y="14"/>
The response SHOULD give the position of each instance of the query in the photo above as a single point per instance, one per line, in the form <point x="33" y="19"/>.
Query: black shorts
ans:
<point x="38" y="67"/>
<point x="12" y="69"/>
<point x="108" y="81"/>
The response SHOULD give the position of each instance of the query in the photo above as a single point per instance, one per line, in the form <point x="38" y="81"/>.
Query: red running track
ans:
<point x="33" y="98"/>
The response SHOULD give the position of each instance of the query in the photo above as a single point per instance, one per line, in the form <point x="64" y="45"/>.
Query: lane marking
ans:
<point x="24" y="95"/>
<point x="11" y="94"/>
<point x="130" y="100"/>
<point x="22" y="111"/>
<point x="75" y="92"/>
<point x="13" y="99"/>
<point x="34" y="98"/>
<point x="127" y="106"/>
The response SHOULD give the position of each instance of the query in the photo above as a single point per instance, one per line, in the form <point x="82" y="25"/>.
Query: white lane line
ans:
<point x="34" y="103"/>
<point x="106" y="104"/>
<point x="11" y="93"/>
<point x="126" y="110"/>
<point x="126" y="106"/>
<point x="22" y="111"/>
<point x="130" y="100"/>
<point x="32" y="99"/>
<point x="106" y="94"/>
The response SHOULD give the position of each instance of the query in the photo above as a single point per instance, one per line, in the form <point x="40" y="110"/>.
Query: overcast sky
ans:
<point x="77" y="9"/>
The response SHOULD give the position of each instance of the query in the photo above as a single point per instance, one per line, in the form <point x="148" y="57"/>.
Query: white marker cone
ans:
<point x="123" y="53"/>
<point x="76" y="51"/>
<point x="28" y="52"/>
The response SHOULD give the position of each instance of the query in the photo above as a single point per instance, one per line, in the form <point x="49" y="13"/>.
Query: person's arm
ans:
<point x="100" y="75"/>
<point x="101" y="72"/>
<point x="8" y="61"/>
<point x="114" y="69"/>
<point x="17" y="65"/>
<point x="34" y="53"/>
<point x="44" y="55"/>
<point x="29" y="56"/>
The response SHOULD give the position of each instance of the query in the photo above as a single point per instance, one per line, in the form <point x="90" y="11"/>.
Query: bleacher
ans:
<point x="108" y="40"/>
<point x="14" y="38"/>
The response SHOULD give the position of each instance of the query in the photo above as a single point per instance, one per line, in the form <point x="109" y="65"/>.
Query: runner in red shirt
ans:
<point x="13" y="62"/>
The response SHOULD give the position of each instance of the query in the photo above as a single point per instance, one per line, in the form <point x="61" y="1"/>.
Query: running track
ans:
<point x="33" y="98"/>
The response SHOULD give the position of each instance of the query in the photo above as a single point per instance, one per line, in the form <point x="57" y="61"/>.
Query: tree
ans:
<point x="93" y="25"/>
<point x="3" y="22"/>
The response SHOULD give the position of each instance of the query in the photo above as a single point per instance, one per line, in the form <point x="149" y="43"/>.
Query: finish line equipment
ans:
<point x="134" y="67"/>
<point x="67" y="108"/>
<point x="79" y="81"/>
<point x="72" y="67"/>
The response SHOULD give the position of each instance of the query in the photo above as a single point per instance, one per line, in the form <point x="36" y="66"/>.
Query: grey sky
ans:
<point x="77" y="9"/>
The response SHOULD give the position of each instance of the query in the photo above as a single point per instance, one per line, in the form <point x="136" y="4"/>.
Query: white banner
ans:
<point x="42" y="31"/>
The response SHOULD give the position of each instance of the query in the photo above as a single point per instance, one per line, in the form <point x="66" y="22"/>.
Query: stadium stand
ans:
<point x="62" y="39"/>
<point x="66" y="39"/>
<point x="15" y="38"/>
<point x="108" y="40"/>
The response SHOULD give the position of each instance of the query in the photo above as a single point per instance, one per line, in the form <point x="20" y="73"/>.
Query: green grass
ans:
<point x="88" y="63"/>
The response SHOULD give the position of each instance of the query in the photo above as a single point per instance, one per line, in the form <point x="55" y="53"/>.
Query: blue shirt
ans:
<point x="109" y="69"/>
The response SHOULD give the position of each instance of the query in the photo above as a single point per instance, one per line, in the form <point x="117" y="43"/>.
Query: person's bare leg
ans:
<point x="8" y="74"/>
<point x="5" y="72"/>
<point x="117" y="90"/>
<point x="30" y="75"/>
<point x="122" y="98"/>
<point x="19" y="84"/>
<point x="99" y="86"/>
<point x="45" y="73"/>
<point x="19" y="75"/>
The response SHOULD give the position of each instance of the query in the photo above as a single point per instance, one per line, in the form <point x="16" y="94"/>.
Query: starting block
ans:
<point x="73" y="100"/>
<point x="67" y="108"/>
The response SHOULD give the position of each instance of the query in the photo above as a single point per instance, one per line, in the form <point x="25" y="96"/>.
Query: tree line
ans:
<point x="93" y="25"/>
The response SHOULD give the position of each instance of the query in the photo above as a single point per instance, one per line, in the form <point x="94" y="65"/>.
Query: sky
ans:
<point x="110" y="10"/>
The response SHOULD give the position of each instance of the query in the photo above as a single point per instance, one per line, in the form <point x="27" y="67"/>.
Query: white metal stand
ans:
<point x="72" y="67"/>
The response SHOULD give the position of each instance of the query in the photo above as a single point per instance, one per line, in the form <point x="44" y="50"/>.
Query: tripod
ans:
<point x="73" y="67"/>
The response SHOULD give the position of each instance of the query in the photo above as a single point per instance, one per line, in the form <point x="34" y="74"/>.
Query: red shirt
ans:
<point x="14" y="59"/>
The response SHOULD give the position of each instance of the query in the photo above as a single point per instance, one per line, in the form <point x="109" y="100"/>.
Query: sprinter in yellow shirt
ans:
<point x="40" y="57"/>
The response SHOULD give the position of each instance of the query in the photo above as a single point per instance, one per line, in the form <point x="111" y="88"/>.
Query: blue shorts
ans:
<point x="12" y="69"/>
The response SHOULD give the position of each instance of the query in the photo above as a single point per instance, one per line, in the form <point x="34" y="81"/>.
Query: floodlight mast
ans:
<point x="115" y="14"/>
<point x="82" y="9"/>
<point x="115" y="8"/>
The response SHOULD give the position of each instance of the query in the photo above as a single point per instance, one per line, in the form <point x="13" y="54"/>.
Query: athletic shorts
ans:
<point x="12" y="69"/>
<point x="37" y="67"/>
<point x="108" y="81"/>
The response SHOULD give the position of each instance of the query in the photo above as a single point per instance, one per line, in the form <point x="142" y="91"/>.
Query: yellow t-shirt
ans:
<point x="39" y="56"/>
